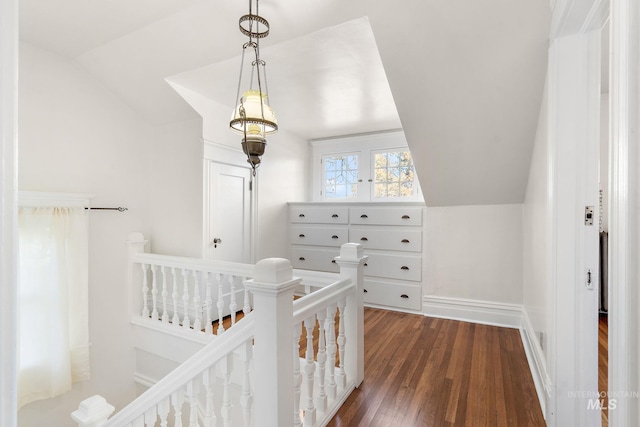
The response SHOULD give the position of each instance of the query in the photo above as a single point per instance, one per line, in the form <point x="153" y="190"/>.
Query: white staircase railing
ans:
<point x="249" y="376"/>
<point x="183" y="292"/>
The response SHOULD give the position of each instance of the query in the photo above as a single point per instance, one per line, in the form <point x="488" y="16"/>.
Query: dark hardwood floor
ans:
<point x="603" y="364"/>
<point x="421" y="371"/>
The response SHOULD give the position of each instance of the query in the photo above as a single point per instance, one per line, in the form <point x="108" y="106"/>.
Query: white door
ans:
<point x="229" y="213"/>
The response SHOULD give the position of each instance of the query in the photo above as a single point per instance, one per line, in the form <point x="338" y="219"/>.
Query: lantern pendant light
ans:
<point x="253" y="117"/>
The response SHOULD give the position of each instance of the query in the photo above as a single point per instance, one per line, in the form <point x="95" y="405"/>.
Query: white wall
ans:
<point x="76" y="136"/>
<point x="536" y="225"/>
<point x="604" y="158"/>
<point x="284" y="177"/>
<point x="475" y="252"/>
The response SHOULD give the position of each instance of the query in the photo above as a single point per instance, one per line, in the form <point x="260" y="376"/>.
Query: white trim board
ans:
<point x="536" y="360"/>
<point x="474" y="311"/>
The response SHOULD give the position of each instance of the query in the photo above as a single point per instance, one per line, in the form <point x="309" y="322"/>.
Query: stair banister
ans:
<point x="272" y="287"/>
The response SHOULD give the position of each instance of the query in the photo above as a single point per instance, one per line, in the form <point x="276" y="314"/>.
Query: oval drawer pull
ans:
<point x="301" y="216"/>
<point x="364" y="239"/>
<point x="301" y="235"/>
<point x="334" y="237"/>
<point x="365" y="264"/>
<point x="333" y="261"/>
<point x="406" y="217"/>
<point x="301" y="258"/>
<point x="334" y="216"/>
<point x="405" y="240"/>
<point x="405" y="296"/>
<point x="365" y="291"/>
<point x="364" y="216"/>
<point x="404" y="267"/>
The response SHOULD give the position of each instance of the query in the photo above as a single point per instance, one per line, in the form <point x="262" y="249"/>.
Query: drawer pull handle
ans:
<point x="404" y="267"/>
<point x="301" y="216"/>
<point x="364" y="216"/>
<point x="366" y="265"/>
<point x="333" y="261"/>
<point x="405" y="296"/>
<point x="405" y="240"/>
<point x="364" y="239"/>
<point x="334" y="216"/>
<point x="406" y="217"/>
<point x="365" y="291"/>
<point x="301" y="235"/>
<point x="334" y="237"/>
<point x="301" y="258"/>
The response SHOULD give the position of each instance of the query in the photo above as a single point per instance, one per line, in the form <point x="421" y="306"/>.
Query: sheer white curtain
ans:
<point x="53" y="306"/>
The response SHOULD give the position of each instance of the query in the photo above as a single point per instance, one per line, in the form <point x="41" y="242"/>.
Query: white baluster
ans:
<point x="246" y="399"/>
<point x="165" y="295"/>
<point x="321" y="399"/>
<point x="175" y="295"/>
<point x="297" y="376"/>
<point x="197" y="307"/>
<point x="186" y="322"/>
<point x="163" y="411"/>
<point x="220" y="305"/>
<point x="246" y="309"/>
<point x="226" y="411"/>
<point x="177" y="399"/>
<point x="330" y="330"/>
<point x="341" y="378"/>
<point x="309" y="370"/>
<point x="145" y="291"/>
<point x="154" y="292"/>
<point x="208" y="327"/>
<point x="232" y="299"/>
<point x="192" y="392"/>
<point x="209" y="413"/>
<point x="150" y="416"/>
<point x="138" y="422"/>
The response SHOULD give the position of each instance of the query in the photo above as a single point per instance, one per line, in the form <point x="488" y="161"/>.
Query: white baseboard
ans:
<point x="474" y="311"/>
<point x="536" y="359"/>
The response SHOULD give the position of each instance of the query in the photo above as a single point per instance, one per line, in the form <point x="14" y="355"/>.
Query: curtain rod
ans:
<point x="119" y="209"/>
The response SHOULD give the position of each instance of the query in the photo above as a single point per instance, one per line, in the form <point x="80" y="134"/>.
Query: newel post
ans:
<point x="272" y="287"/>
<point x="351" y="262"/>
<point x="136" y="244"/>
<point x="92" y="412"/>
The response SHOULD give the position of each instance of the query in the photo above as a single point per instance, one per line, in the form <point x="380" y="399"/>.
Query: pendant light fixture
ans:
<point x="253" y="117"/>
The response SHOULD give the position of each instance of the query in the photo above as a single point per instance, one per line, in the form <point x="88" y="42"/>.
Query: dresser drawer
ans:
<point x="308" y="258"/>
<point x="319" y="214"/>
<point x="386" y="215"/>
<point x="393" y="294"/>
<point x="403" y="267"/>
<point x="398" y="239"/>
<point x="319" y="235"/>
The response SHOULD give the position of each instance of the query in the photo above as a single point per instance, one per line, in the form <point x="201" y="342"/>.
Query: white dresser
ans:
<point x="392" y="237"/>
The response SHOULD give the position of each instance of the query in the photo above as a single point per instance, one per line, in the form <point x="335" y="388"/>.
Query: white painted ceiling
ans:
<point x="463" y="78"/>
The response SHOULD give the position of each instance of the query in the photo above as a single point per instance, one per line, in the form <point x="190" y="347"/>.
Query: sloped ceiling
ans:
<point x="465" y="78"/>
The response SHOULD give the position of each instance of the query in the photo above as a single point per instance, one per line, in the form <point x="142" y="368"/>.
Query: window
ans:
<point x="53" y="298"/>
<point x="340" y="176"/>
<point x="394" y="174"/>
<point x="364" y="168"/>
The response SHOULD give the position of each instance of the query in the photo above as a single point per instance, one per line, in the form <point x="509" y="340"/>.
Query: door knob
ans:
<point x="216" y="241"/>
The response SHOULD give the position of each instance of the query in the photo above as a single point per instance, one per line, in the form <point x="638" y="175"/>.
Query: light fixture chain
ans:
<point x="240" y="79"/>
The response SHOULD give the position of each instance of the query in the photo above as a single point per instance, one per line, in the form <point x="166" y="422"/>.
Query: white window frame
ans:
<point x="364" y="146"/>
<point x="323" y="172"/>
<point x="415" y="186"/>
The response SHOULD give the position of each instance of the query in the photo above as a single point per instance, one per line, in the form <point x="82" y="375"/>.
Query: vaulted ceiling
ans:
<point x="464" y="79"/>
